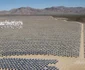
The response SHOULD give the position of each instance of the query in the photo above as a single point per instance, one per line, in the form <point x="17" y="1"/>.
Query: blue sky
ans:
<point x="9" y="4"/>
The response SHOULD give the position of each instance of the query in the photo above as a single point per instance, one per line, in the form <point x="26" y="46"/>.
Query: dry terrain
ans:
<point x="44" y="37"/>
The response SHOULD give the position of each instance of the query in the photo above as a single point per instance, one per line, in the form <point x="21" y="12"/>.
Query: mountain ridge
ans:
<point x="46" y="11"/>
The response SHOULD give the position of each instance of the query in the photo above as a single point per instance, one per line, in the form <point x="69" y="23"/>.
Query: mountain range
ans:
<point x="45" y="11"/>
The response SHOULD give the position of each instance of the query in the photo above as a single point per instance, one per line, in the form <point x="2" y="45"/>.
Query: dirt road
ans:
<point x="81" y="53"/>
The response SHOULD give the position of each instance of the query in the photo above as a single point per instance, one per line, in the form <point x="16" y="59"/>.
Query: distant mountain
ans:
<point x="24" y="11"/>
<point x="46" y="11"/>
<point x="67" y="10"/>
<point x="20" y="11"/>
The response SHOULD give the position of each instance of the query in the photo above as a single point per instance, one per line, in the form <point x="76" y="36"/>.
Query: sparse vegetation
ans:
<point x="79" y="18"/>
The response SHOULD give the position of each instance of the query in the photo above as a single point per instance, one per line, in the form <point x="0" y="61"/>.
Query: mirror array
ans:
<point x="26" y="64"/>
<point x="41" y="35"/>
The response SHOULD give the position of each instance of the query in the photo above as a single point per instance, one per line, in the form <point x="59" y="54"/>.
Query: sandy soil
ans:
<point x="64" y="63"/>
<point x="81" y="55"/>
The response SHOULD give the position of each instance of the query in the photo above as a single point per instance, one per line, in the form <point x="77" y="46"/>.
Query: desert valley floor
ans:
<point x="43" y="43"/>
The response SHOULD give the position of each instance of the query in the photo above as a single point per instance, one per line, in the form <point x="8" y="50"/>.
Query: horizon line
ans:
<point x="42" y="8"/>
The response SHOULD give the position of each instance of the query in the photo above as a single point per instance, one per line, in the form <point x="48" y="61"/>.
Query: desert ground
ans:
<point x="45" y="37"/>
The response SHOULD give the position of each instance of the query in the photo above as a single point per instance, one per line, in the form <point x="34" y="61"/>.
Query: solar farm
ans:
<point x="39" y="36"/>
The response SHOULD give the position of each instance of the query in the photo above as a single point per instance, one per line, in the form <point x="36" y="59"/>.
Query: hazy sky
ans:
<point x="9" y="4"/>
